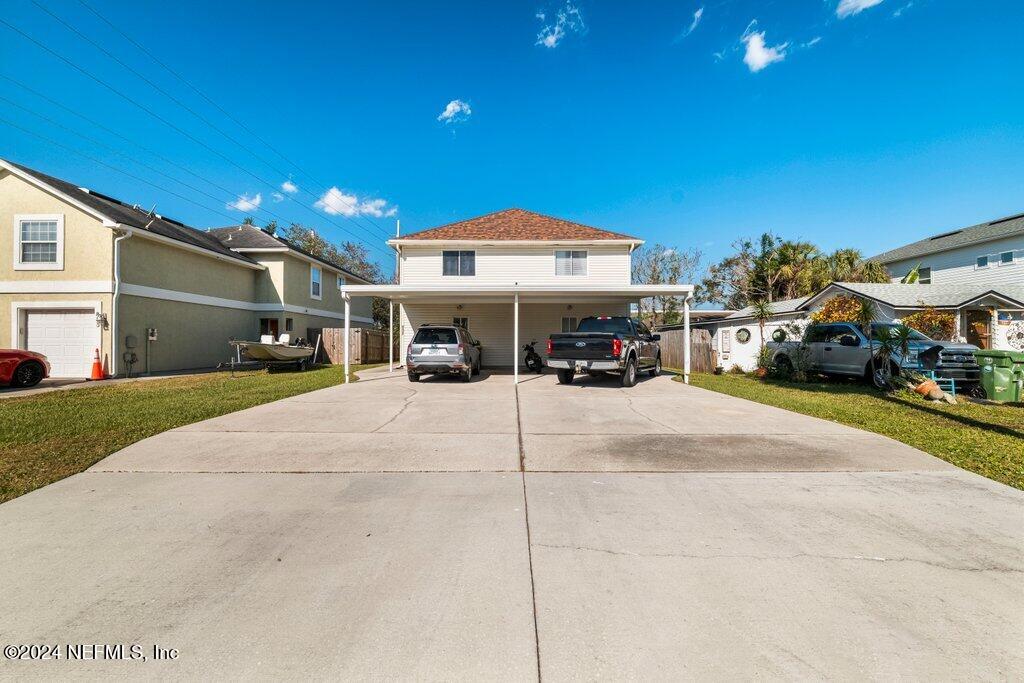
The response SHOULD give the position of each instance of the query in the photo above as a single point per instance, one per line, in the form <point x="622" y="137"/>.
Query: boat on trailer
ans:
<point x="281" y="351"/>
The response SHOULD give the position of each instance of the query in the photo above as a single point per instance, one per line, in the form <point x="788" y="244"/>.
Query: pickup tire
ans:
<point x="877" y="380"/>
<point x="629" y="372"/>
<point x="784" y="364"/>
<point x="565" y="376"/>
<point x="656" y="370"/>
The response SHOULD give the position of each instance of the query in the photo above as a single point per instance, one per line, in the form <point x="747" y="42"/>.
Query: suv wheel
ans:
<point x="413" y="377"/>
<point x="28" y="374"/>
<point x="656" y="370"/>
<point x="565" y="376"/>
<point x="629" y="372"/>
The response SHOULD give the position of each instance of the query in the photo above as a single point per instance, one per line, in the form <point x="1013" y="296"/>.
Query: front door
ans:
<point x="978" y="328"/>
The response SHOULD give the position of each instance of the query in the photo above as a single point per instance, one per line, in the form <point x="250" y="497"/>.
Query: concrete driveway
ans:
<point x="445" y="530"/>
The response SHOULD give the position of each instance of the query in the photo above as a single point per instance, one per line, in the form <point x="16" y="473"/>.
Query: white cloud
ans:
<point x="899" y="12"/>
<point x="693" y="24"/>
<point x="568" y="19"/>
<point x="277" y="197"/>
<point x="847" y="8"/>
<point x="455" y="111"/>
<point x="812" y="42"/>
<point x="246" y="203"/>
<point x="289" y="187"/>
<point x="339" y="203"/>
<point x="759" y="54"/>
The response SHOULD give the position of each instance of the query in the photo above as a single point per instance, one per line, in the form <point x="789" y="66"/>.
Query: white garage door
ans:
<point x="67" y="337"/>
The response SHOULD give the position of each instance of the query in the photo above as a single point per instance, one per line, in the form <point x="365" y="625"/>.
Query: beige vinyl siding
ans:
<point x="491" y="323"/>
<point x="957" y="266"/>
<point x="527" y="265"/>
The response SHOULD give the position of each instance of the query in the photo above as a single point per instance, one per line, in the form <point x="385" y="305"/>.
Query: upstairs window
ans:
<point x="314" y="282"/>
<point x="458" y="263"/>
<point x="570" y="262"/>
<point x="461" y="321"/>
<point x="924" y="276"/>
<point x="341" y="281"/>
<point x="1006" y="258"/>
<point x="39" y="242"/>
<point x="569" y="324"/>
<point x="982" y="262"/>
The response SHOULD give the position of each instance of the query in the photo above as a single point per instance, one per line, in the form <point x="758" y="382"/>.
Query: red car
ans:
<point x="20" y="368"/>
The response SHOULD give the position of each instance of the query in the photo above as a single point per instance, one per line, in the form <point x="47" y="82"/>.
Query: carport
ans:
<point x="491" y="302"/>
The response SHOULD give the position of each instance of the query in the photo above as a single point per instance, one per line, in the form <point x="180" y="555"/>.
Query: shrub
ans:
<point x="839" y="309"/>
<point x="737" y="369"/>
<point x="935" y="324"/>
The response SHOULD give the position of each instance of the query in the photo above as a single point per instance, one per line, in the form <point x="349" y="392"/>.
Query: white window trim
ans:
<point x="464" y="317"/>
<point x="586" y="260"/>
<point x="316" y="269"/>
<point x="22" y="217"/>
<point x="460" y="252"/>
<point x="929" y="269"/>
<point x="1013" y="257"/>
<point x="988" y="261"/>
<point x="341" y="281"/>
<point x="569" y="317"/>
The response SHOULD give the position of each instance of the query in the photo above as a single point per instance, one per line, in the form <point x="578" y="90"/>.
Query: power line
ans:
<point x="318" y="184"/>
<point x="147" y="166"/>
<point x="162" y="119"/>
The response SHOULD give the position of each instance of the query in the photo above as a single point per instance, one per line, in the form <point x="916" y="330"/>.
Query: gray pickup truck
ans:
<point x="605" y="344"/>
<point x="842" y="349"/>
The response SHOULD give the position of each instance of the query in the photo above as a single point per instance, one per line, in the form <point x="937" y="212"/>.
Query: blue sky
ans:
<point x="859" y="123"/>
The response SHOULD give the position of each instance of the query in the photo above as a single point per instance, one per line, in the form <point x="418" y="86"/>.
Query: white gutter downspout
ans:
<point x="113" y="310"/>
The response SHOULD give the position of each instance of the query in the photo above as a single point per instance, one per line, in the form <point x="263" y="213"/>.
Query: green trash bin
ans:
<point x="1002" y="374"/>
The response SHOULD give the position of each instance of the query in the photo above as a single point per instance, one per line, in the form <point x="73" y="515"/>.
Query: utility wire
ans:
<point x="162" y="119"/>
<point x="316" y="183"/>
<point x="145" y="165"/>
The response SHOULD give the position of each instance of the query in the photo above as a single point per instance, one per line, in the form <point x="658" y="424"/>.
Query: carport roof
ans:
<point x="526" y="292"/>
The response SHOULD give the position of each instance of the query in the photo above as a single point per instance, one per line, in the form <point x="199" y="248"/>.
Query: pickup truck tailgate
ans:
<point x="582" y="346"/>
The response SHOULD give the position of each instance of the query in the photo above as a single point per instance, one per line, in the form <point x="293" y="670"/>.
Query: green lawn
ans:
<point x="47" y="437"/>
<point x="987" y="439"/>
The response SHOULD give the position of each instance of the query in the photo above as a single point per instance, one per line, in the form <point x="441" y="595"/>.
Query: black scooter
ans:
<point x="533" y="360"/>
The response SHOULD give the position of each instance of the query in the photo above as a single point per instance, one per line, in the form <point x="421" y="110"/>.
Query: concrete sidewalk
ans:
<point x="443" y="530"/>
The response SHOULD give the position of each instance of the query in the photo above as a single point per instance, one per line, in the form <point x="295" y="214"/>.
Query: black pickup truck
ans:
<point x="602" y="344"/>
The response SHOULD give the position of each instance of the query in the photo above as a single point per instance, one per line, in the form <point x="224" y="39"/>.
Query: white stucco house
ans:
<point x="976" y="273"/>
<point x="512" y="277"/>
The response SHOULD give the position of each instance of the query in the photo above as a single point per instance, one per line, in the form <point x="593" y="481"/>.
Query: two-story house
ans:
<point x="81" y="271"/>
<point x="513" y="277"/>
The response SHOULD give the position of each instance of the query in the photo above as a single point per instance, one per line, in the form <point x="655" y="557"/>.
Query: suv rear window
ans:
<point x="620" y="325"/>
<point x="436" y="335"/>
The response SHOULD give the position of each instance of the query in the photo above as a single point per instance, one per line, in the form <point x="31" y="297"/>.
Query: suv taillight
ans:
<point x="549" y="346"/>
<point x="462" y="349"/>
<point x="408" y="350"/>
<point x="616" y="347"/>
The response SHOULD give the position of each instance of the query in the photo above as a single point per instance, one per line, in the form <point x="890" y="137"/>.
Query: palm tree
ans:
<point x="865" y="317"/>
<point x="762" y="311"/>
<point x="913" y="276"/>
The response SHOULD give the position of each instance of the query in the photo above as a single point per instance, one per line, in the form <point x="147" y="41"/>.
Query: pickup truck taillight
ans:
<point x="616" y="347"/>
<point x="550" y="346"/>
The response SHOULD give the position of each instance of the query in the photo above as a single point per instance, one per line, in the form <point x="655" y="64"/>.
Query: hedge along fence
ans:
<point x="702" y="356"/>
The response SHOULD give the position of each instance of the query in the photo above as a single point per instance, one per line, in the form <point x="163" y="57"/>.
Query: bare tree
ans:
<point x="661" y="265"/>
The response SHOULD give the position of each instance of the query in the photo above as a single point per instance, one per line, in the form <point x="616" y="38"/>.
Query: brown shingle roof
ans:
<point x="516" y="224"/>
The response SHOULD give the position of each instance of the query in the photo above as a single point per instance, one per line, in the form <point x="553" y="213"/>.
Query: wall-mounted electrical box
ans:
<point x="151" y="333"/>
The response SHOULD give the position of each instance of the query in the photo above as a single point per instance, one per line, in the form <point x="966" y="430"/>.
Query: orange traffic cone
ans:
<point x="97" y="367"/>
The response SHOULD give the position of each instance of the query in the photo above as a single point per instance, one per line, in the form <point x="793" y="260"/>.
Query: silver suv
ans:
<point x="443" y="349"/>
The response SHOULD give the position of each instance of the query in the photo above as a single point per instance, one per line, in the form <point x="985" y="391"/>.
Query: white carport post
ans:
<point x="515" y="340"/>
<point x="391" y="335"/>
<point x="348" y="312"/>
<point x="686" y="339"/>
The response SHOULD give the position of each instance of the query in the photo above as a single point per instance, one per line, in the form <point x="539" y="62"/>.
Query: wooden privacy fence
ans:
<point x="365" y="345"/>
<point x="702" y="356"/>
